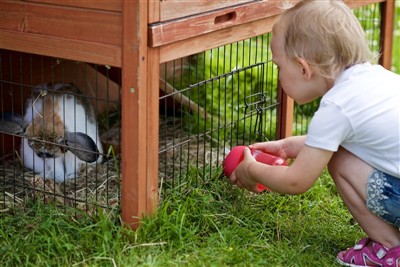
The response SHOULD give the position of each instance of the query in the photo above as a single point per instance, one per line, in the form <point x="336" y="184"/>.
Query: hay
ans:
<point x="95" y="186"/>
<point x="180" y="151"/>
<point x="99" y="185"/>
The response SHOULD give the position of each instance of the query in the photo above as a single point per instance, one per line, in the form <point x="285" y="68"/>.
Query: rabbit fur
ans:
<point x="61" y="132"/>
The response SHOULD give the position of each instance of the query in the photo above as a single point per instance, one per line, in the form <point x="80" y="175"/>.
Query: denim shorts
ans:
<point x="383" y="196"/>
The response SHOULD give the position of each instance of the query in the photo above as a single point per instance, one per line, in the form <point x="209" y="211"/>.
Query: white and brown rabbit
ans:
<point x="59" y="129"/>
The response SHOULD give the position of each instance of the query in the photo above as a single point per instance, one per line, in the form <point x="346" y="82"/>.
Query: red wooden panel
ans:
<point x="387" y="30"/>
<point x="110" y="5"/>
<point x="139" y="171"/>
<point x="163" y="33"/>
<point x="214" y="39"/>
<point x="58" y="21"/>
<point x="360" y="3"/>
<point x="173" y="9"/>
<point x="61" y="48"/>
<point x="169" y="32"/>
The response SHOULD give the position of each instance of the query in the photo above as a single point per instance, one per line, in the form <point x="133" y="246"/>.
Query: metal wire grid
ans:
<point x="94" y="185"/>
<point x="213" y="101"/>
<point x="370" y="19"/>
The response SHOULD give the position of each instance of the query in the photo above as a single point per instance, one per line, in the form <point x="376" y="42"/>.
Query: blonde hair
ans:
<point x="324" y="33"/>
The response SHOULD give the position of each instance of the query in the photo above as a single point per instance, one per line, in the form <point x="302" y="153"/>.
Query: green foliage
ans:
<point x="234" y="83"/>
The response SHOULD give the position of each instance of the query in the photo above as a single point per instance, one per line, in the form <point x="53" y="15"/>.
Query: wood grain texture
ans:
<point x="387" y="31"/>
<point x="214" y="39"/>
<point x="108" y="5"/>
<point x="61" y="48"/>
<point x="173" y="9"/>
<point x="72" y="33"/>
<point x="153" y="102"/>
<point x="164" y="33"/>
<point x="284" y="115"/>
<point x="154" y="11"/>
<point x="59" y="21"/>
<point x="177" y="30"/>
<point x="136" y="191"/>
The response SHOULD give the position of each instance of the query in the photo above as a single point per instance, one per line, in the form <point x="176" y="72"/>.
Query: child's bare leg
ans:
<point x="351" y="174"/>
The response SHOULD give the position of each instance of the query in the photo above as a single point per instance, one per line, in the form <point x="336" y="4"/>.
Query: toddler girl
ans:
<point x="321" y="51"/>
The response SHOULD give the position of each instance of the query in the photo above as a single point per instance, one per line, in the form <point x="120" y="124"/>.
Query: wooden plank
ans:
<point x="387" y="30"/>
<point x="64" y="22"/>
<point x="154" y="11"/>
<point x="173" y="9"/>
<point x="153" y="94"/>
<point x="135" y="142"/>
<point x="360" y="3"/>
<point x="211" y="40"/>
<point x="180" y="29"/>
<point x="284" y="115"/>
<point x="61" y="48"/>
<point x="109" y="5"/>
<point x="177" y="30"/>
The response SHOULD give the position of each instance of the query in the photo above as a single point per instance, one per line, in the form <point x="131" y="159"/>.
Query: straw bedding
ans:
<point x="100" y="185"/>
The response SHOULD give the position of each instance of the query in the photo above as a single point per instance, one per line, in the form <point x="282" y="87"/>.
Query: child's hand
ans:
<point x="287" y="148"/>
<point x="275" y="148"/>
<point x="241" y="176"/>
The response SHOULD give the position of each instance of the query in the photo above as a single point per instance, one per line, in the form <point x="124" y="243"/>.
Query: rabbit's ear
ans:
<point x="82" y="146"/>
<point x="12" y="123"/>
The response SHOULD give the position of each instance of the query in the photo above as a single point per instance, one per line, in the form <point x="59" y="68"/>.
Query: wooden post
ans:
<point x="285" y="115"/>
<point x="387" y="29"/>
<point x="153" y="87"/>
<point x="139" y="110"/>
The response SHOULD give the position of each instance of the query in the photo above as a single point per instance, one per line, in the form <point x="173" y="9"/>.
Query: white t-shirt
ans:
<point x="361" y="113"/>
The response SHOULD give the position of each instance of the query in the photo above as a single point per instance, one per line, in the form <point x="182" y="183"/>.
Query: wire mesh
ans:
<point x="370" y="20"/>
<point x="57" y="107"/>
<point x="213" y="101"/>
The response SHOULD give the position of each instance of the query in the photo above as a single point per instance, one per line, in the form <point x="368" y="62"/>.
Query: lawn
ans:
<point x="211" y="225"/>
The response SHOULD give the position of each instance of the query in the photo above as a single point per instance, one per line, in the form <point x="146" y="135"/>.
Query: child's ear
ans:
<point x="306" y="69"/>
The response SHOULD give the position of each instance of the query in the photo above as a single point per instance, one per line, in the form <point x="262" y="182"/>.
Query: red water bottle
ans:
<point x="235" y="156"/>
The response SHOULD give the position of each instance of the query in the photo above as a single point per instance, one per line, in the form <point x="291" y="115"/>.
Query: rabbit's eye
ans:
<point x="45" y="149"/>
<point x="33" y="144"/>
<point x="45" y="155"/>
<point x="62" y="145"/>
<point x="63" y="149"/>
<point x="36" y="144"/>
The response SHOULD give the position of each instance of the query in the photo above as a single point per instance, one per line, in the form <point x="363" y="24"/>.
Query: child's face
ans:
<point x="296" y="77"/>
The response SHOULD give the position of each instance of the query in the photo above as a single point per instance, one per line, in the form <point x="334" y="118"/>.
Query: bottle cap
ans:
<point x="232" y="160"/>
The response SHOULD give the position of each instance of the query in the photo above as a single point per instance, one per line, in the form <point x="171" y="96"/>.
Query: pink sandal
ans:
<point x="369" y="253"/>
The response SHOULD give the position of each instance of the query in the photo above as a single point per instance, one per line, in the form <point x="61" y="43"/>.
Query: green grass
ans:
<point x="212" y="225"/>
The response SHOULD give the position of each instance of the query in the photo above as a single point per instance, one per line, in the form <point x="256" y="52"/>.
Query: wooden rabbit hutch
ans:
<point x="136" y="37"/>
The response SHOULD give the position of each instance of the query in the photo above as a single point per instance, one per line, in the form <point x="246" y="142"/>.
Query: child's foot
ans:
<point x="369" y="253"/>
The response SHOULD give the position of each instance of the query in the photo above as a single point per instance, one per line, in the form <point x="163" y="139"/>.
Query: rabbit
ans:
<point x="60" y="132"/>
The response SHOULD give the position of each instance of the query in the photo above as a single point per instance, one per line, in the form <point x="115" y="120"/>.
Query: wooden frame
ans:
<point x="137" y="36"/>
<point x="42" y="27"/>
<point x="387" y="29"/>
